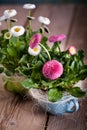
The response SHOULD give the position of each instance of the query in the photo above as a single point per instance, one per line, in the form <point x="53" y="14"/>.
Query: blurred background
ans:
<point x="40" y="1"/>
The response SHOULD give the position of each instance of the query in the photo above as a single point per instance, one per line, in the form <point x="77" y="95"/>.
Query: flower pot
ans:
<point x="13" y="84"/>
<point x="68" y="103"/>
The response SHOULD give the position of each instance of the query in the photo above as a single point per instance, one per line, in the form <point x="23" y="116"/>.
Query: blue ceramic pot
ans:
<point x="67" y="104"/>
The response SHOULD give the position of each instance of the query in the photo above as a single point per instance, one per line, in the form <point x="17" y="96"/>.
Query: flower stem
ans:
<point x="29" y="23"/>
<point x="10" y="23"/>
<point x="45" y="50"/>
<point x="6" y="23"/>
<point x="18" y="39"/>
<point x="58" y="46"/>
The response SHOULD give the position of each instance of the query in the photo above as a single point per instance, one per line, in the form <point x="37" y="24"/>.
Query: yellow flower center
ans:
<point x="17" y="29"/>
<point x="35" y="49"/>
<point x="72" y="50"/>
<point x="8" y="34"/>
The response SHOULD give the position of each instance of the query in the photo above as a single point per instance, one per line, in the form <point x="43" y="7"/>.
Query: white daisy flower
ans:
<point x="17" y="31"/>
<point x="2" y="18"/>
<point x="29" y="6"/>
<point x="10" y="13"/>
<point x="44" y="20"/>
<point x="35" y="51"/>
<point x="7" y="35"/>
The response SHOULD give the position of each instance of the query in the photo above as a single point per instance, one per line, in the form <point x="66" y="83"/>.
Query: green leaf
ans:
<point x="8" y="72"/>
<point x="54" y="95"/>
<point x="54" y="47"/>
<point x="80" y="54"/>
<point x="28" y="83"/>
<point x="14" y="40"/>
<point x="4" y="31"/>
<point x="40" y="63"/>
<point x="14" y="85"/>
<point x="23" y="59"/>
<point x="22" y="46"/>
<point x="2" y="58"/>
<point x="41" y="57"/>
<point x="12" y="51"/>
<point x="1" y="69"/>
<point x="47" y="84"/>
<point x="44" y="39"/>
<point x="77" y="92"/>
<point x="36" y="76"/>
<point x="44" y="42"/>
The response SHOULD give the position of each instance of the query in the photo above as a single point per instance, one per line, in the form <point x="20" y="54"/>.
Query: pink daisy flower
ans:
<point x="35" y="40"/>
<point x="57" y="38"/>
<point x="53" y="39"/>
<point x="61" y="37"/>
<point x="72" y="50"/>
<point x="52" y="69"/>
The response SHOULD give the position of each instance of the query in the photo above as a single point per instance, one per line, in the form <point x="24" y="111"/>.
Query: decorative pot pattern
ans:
<point x="67" y="104"/>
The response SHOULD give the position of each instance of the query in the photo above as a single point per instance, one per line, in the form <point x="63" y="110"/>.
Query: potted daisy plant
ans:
<point x="30" y="65"/>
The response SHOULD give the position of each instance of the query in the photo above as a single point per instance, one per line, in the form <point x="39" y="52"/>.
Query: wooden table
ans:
<point x="19" y="114"/>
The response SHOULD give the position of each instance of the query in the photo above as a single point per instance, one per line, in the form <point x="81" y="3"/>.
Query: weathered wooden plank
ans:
<point x="78" y="34"/>
<point x="77" y="37"/>
<point x="17" y="114"/>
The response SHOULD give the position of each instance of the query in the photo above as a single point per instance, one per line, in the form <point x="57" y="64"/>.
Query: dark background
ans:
<point x="40" y="1"/>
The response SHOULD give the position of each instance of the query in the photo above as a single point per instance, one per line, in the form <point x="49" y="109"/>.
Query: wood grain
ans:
<point x="78" y="33"/>
<point x="77" y="37"/>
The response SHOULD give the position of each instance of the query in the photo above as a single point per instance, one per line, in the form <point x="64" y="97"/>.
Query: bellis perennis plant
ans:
<point x="28" y="53"/>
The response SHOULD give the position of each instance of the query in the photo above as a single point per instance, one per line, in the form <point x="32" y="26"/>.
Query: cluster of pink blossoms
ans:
<point x="52" y="69"/>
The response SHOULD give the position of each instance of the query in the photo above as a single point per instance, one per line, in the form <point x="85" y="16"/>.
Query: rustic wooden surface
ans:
<point x="19" y="114"/>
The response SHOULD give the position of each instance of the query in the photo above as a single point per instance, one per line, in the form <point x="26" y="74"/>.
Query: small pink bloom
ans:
<point x="35" y="40"/>
<point x="53" y="39"/>
<point x="57" y="38"/>
<point x="72" y="50"/>
<point x="52" y="69"/>
<point x="61" y="37"/>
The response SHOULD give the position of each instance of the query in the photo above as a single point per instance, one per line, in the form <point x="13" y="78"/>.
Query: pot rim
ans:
<point x="41" y="96"/>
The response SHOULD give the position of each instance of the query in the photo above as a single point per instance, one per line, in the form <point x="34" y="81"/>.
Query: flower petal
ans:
<point x="17" y="31"/>
<point x="53" y="39"/>
<point x="29" y="6"/>
<point x="35" y="51"/>
<point x="61" y="37"/>
<point x="44" y="20"/>
<point x="2" y="18"/>
<point x="57" y="38"/>
<point x="35" y="40"/>
<point x="10" y="13"/>
<point x="52" y="69"/>
<point x="72" y="50"/>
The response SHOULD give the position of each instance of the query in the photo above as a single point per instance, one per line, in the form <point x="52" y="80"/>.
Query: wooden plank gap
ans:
<point x="47" y="120"/>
